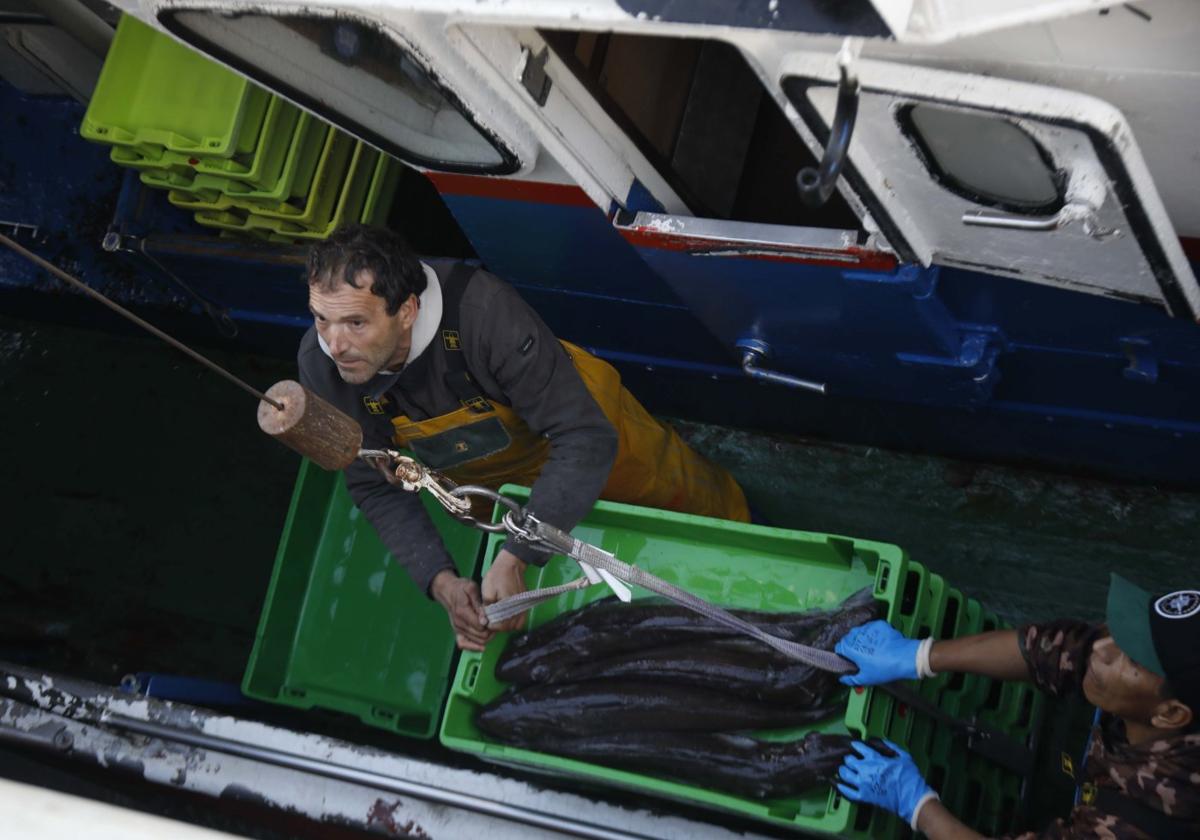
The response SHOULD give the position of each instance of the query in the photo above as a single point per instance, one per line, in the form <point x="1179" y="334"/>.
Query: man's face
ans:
<point x="362" y="337"/>
<point x="1117" y="684"/>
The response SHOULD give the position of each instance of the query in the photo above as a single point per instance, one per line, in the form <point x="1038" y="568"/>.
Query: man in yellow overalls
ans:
<point x="447" y="361"/>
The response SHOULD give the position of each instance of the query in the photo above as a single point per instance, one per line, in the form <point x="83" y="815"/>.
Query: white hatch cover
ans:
<point x="1033" y="182"/>
<point x="934" y="21"/>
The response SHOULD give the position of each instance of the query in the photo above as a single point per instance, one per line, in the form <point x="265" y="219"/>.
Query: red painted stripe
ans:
<point x="1191" y="247"/>
<point x="510" y="189"/>
<point x="853" y="258"/>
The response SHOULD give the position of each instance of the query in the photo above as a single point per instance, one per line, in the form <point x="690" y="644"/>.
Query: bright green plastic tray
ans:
<point x="380" y="195"/>
<point x="318" y="205"/>
<point x="161" y="168"/>
<point x="331" y="176"/>
<point x="154" y="93"/>
<point x="348" y="207"/>
<point x="213" y="192"/>
<point x="262" y="169"/>
<point x="343" y="627"/>
<point x="753" y="567"/>
<point x="350" y="201"/>
<point x="238" y="175"/>
<point x="382" y="191"/>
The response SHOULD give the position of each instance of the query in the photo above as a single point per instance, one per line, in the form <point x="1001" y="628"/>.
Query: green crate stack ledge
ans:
<point x="246" y="162"/>
<point x="755" y="567"/>
<point x="343" y="627"/>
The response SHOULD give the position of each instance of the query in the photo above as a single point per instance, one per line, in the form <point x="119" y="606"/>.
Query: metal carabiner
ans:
<point x="522" y="530"/>
<point x="413" y="476"/>
<point x="515" y="511"/>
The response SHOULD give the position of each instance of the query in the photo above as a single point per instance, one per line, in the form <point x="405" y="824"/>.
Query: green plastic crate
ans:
<point x="753" y="567"/>
<point x="299" y="167"/>
<point x="158" y="169"/>
<point x="348" y="207"/>
<point x="203" y="193"/>
<point x="234" y="220"/>
<point x="327" y="185"/>
<point x="260" y="170"/>
<point x="382" y="191"/>
<point x="318" y="206"/>
<point x="350" y="201"/>
<point x="729" y="563"/>
<point x="380" y="195"/>
<point x="214" y="192"/>
<point x="154" y="93"/>
<point x="343" y="627"/>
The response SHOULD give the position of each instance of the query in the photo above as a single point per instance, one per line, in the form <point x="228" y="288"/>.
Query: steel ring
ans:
<point x="515" y="509"/>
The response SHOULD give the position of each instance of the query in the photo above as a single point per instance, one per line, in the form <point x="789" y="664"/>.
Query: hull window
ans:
<point x="357" y="76"/>
<point x="985" y="158"/>
<point x="699" y="114"/>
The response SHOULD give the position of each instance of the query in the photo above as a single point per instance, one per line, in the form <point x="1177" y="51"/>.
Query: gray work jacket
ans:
<point x="516" y="361"/>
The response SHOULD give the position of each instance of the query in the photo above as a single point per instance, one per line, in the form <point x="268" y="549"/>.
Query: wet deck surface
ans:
<point x="142" y="509"/>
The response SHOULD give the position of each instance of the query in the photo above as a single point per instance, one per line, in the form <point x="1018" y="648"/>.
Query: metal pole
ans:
<point x="344" y="773"/>
<point x="146" y="325"/>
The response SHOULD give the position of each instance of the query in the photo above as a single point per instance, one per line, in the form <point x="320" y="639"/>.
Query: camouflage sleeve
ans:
<point x="1057" y="653"/>
<point x="1084" y="824"/>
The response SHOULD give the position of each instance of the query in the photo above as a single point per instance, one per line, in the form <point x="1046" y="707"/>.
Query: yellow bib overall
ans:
<point x="653" y="467"/>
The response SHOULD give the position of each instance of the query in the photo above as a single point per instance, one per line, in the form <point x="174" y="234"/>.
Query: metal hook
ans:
<point x="514" y="509"/>
<point x="816" y="185"/>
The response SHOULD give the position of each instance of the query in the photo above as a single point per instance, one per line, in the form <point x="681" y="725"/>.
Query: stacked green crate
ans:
<point x="783" y="570"/>
<point x="246" y="161"/>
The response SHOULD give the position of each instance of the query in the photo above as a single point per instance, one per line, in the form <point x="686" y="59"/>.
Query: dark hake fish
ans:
<point x="735" y="665"/>
<point x="597" y="708"/>
<point x="608" y="628"/>
<point x="735" y="764"/>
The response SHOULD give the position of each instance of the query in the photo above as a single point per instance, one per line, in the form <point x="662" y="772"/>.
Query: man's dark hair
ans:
<point x="353" y="249"/>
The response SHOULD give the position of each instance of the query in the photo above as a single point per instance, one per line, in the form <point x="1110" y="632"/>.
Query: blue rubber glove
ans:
<point x="881" y="653"/>
<point x="894" y="784"/>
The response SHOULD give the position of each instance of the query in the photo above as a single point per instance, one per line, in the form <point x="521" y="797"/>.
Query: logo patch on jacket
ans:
<point x="374" y="406"/>
<point x="451" y="340"/>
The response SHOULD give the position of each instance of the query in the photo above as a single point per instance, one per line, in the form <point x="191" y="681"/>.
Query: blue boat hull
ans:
<point x="938" y="359"/>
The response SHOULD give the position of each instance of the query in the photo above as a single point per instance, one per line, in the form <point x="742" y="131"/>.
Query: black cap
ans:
<point x="1160" y="633"/>
<point x="1175" y="626"/>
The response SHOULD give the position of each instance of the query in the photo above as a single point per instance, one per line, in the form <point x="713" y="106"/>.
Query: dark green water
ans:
<point x="142" y="505"/>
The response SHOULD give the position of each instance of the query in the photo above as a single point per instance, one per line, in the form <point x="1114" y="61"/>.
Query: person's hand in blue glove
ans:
<point x="893" y="783"/>
<point x="882" y="655"/>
